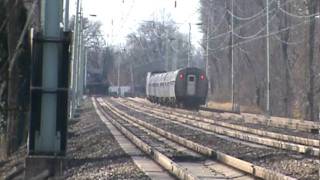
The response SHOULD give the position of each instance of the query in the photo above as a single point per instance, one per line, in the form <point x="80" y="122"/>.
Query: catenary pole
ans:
<point x="74" y="60"/>
<point x="51" y="16"/>
<point x="80" y="58"/>
<point x="207" y="57"/>
<point x="66" y="15"/>
<point x="232" y="57"/>
<point x="132" y="80"/>
<point x="85" y="68"/>
<point x="189" y="45"/>
<point x="268" y="60"/>
<point x="118" y="78"/>
<point x="207" y="49"/>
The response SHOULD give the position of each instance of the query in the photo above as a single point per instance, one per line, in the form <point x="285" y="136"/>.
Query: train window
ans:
<point x="191" y="78"/>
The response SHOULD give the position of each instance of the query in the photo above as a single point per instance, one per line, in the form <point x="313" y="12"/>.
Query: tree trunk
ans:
<point x="16" y="20"/>
<point x="228" y="5"/>
<point x="312" y="6"/>
<point x="285" y="37"/>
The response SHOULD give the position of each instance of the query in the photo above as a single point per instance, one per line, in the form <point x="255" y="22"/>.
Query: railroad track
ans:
<point x="217" y="110"/>
<point x="235" y="120"/>
<point x="272" y="158"/>
<point x="178" y="160"/>
<point x="254" y="119"/>
<point x="206" y="151"/>
<point x="272" y="139"/>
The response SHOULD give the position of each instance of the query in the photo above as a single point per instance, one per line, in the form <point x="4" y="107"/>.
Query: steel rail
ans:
<point x="231" y="161"/>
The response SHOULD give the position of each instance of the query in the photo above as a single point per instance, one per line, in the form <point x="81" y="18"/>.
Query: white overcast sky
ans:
<point x="127" y="16"/>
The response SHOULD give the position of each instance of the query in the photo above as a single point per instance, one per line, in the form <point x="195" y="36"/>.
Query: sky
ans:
<point x="121" y="17"/>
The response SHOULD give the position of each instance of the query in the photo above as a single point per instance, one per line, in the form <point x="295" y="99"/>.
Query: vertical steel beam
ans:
<point x="66" y="15"/>
<point x="82" y="59"/>
<point x="79" y="51"/>
<point x="268" y="60"/>
<point x="189" y="45"/>
<point x="167" y="53"/>
<point x="132" y="81"/>
<point x="74" y="60"/>
<point x="47" y="140"/>
<point x="85" y="68"/>
<point x="118" y="82"/>
<point x="207" y="57"/>
<point x="232" y="57"/>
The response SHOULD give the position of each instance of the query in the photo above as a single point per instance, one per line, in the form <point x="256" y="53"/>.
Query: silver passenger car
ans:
<point x="187" y="87"/>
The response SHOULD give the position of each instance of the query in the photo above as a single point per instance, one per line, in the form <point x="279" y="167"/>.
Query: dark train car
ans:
<point x="97" y="88"/>
<point x="187" y="87"/>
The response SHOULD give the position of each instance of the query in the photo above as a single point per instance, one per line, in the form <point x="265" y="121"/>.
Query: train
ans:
<point x="186" y="87"/>
<point x="122" y="91"/>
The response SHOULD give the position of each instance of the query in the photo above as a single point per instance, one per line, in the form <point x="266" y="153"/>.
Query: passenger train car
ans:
<point x="187" y="87"/>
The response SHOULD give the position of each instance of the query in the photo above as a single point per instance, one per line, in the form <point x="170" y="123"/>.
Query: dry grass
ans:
<point x="228" y="107"/>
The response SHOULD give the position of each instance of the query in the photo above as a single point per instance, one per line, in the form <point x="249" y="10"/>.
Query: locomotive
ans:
<point x="186" y="87"/>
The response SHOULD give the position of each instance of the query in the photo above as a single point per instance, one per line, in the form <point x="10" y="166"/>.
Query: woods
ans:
<point x="155" y="46"/>
<point x="294" y="53"/>
<point x="15" y="73"/>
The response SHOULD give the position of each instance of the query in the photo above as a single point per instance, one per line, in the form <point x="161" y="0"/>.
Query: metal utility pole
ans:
<point x="118" y="81"/>
<point x="189" y="45"/>
<point x="207" y="49"/>
<point x="207" y="57"/>
<point x="174" y="60"/>
<point x="232" y="58"/>
<point x="74" y="61"/>
<point x="132" y="82"/>
<point x="167" y="53"/>
<point x="49" y="94"/>
<point x="66" y="16"/>
<point x="47" y="139"/>
<point x="268" y="61"/>
<point x="80" y="58"/>
<point x="85" y="68"/>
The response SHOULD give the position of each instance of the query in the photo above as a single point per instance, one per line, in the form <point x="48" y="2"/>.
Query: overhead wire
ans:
<point x="216" y="28"/>
<point x="251" y="36"/>
<point x="239" y="36"/>
<point x="263" y="36"/>
<point x="297" y="16"/>
<point x="245" y="18"/>
<point x="124" y="20"/>
<point x="250" y="17"/>
<point x="276" y="37"/>
<point x="285" y="42"/>
<point x="249" y="22"/>
<point x="221" y="44"/>
<point x="254" y="35"/>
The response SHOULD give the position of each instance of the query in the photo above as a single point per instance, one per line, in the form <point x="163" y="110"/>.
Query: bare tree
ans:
<point x="312" y="7"/>
<point x="285" y="23"/>
<point x="156" y="46"/>
<point x="17" y="76"/>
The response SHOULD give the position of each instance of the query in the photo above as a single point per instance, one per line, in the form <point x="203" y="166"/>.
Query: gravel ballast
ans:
<point x="93" y="153"/>
<point x="286" y="162"/>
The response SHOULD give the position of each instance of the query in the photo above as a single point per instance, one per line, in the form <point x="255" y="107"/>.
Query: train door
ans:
<point x="191" y="85"/>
